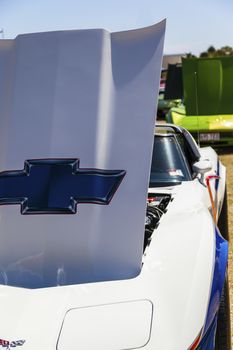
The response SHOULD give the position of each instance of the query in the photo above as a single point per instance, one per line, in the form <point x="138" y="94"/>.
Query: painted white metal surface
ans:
<point x="175" y="277"/>
<point x="84" y="94"/>
<point x="118" y="326"/>
<point x="209" y="153"/>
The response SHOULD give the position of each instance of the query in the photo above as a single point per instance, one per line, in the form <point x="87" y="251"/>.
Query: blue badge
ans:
<point x="56" y="186"/>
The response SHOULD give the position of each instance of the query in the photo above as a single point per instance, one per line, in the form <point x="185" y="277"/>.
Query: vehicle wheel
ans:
<point x="223" y="332"/>
<point x="223" y="218"/>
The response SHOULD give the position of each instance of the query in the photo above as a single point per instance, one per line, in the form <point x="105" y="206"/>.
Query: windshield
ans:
<point x="168" y="165"/>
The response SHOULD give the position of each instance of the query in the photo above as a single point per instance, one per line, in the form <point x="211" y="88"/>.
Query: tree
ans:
<point x="212" y="52"/>
<point x="190" y="55"/>
<point x="204" y="54"/>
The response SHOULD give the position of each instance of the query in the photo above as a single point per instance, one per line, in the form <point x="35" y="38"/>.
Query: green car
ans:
<point x="207" y="111"/>
<point x="165" y="105"/>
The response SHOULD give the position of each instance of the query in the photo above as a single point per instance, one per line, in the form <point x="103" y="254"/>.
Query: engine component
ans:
<point x="156" y="207"/>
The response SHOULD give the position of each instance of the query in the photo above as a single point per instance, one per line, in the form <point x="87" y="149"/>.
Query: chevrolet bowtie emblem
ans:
<point x="56" y="186"/>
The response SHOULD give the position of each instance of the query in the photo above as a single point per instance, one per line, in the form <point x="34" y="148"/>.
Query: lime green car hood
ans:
<point x="220" y="122"/>
<point x="208" y="86"/>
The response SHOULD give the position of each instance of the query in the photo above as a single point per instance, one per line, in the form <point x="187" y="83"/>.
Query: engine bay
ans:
<point x="156" y="208"/>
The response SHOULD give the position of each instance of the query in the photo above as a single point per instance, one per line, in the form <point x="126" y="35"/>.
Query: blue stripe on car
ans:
<point x="209" y="329"/>
<point x="221" y="254"/>
<point x="208" y="341"/>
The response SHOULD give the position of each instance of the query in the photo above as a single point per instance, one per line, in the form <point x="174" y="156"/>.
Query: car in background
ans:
<point x="165" y="105"/>
<point x="214" y="130"/>
<point x="168" y="98"/>
<point x="207" y="111"/>
<point x="186" y="226"/>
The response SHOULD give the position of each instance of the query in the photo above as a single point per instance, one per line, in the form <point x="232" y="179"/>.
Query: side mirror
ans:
<point x="202" y="167"/>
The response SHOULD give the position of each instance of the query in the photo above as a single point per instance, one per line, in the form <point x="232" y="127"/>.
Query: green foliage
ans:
<point x="212" y="52"/>
<point x="190" y="55"/>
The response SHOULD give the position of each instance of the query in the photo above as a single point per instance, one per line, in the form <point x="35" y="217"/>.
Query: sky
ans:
<point x="192" y="25"/>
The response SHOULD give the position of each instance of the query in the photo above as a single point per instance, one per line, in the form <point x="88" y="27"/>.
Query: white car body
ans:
<point x="163" y="298"/>
<point x="165" y="306"/>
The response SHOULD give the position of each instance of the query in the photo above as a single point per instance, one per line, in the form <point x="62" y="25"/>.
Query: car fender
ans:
<point x="217" y="185"/>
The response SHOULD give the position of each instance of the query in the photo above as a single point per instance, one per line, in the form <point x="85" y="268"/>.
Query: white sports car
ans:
<point x="78" y="268"/>
<point x="187" y="201"/>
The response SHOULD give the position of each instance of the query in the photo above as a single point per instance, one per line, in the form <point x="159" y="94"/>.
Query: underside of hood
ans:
<point x="76" y="131"/>
<point x="208" y="85"/>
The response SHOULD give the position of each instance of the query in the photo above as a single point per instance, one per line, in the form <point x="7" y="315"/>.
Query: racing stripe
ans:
<point x="220" y="264"/>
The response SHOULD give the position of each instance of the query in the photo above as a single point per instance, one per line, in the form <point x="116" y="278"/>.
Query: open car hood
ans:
<point x="174" y="82"/>
<point x="76" y="131"/>
<point x="208" y="85"/>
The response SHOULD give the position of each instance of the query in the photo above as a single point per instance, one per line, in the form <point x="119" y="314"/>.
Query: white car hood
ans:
<point x="87" y="95"/>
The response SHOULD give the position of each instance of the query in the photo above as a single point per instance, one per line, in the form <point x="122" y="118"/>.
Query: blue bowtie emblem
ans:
<point x="56" y="186"/>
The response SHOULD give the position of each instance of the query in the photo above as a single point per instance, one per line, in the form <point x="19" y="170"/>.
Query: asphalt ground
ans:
<point x="226" y="157"/>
